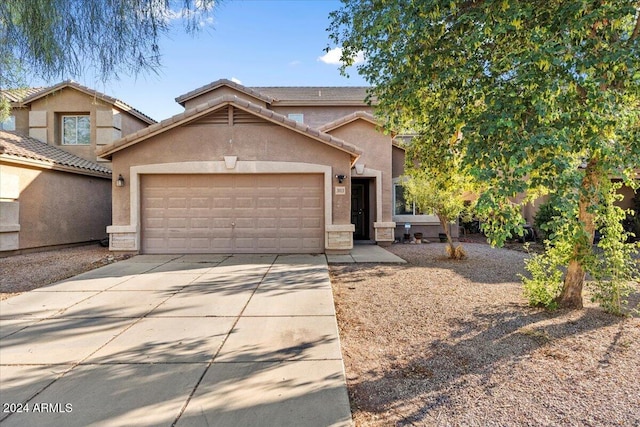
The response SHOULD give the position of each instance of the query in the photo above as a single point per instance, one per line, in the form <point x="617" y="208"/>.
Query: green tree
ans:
<point x="442" y="187"/>
<point x="65" y="38"/>
<point x="547" y="94"/>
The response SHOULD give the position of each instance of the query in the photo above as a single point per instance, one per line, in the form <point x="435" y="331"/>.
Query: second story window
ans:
<point x="76" y="130"/>
<point x="8" y="124"/>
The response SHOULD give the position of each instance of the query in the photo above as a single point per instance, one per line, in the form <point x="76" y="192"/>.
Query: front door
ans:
<point x="360" y="209"/>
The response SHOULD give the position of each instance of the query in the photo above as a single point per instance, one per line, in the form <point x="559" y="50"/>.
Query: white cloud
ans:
<point x="295" y="63"/>
<point x="199" y="14"/>
<point x="333" y="57"/>
<point x="236" y="80"/>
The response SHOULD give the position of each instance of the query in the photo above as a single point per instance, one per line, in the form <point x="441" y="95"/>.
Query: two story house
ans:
<point x="260" y="169"/>
<point x="54" y="190"/>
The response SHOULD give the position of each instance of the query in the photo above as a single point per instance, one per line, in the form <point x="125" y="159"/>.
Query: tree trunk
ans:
<point x="445" y="226"/>
<point x="571" y="295"/>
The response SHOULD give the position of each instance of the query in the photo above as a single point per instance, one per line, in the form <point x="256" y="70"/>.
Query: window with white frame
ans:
<point x="297" y="117"/>
<point x="407" y="212"/>
<point x="9" y="123"/>
<point x="76" y="130"/>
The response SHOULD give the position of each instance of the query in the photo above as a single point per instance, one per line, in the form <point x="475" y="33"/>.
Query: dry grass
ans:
<point x="442" y="342"/>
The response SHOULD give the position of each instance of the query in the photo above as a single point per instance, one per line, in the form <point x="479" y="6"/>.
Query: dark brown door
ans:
<point x="359" y="210"/>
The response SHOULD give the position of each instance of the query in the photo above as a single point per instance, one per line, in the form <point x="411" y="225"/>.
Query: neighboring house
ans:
<point x="262" y="169"/>
<point x="54" y="190"/>
<point x="49" y="197"/>
<point x="72" y="117"/>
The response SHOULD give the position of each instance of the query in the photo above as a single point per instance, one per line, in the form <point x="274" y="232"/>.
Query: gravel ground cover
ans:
<point x="22" y="273"/>
<point x="439" y="342"/>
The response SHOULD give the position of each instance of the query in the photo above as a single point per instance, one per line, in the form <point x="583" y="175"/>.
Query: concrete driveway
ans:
<point x="190" y="340"/>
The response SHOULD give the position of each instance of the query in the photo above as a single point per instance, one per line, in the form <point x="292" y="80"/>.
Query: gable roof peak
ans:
<point x="356" y="115"/>
<point x="182" y="99"/>
<point x="203" y="109"/>
<point x="32" y="95"/>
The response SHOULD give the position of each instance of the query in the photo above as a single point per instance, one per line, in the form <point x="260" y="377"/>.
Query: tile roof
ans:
<point x="203" y="109"/>
<point x="21" y="147"/>
<point x="216" y="84"/>
<point x="316" y="94"/>
<point x="289" y="95"/>
<point x="32" y="94"/>
<point x="348" y="119"/>
<point x="17" y="95"/>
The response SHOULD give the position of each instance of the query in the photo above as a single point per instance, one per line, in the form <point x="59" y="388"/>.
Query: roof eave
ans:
<point x="148" y="120"/>
<point x="321" y="102"/>
<point x="9" y="158"/>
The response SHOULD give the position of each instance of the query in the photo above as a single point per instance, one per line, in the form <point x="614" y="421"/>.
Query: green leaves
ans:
<point x="60" y="38"/>
<point x="537" y="88"/>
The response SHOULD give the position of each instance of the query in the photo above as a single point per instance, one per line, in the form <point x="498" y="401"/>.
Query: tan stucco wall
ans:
<point x="22" y="120"/>
<point x="260" y="142"/>
<point x="316" y="116"/>
<point x="397" y="161"/>
<point x="129" y="123"/>
<point x="57" y="208"/>
<point x="221" y="91"/>
<point x="376" y="154"/>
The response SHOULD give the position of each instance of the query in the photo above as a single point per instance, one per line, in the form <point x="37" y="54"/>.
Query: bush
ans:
<point x="544" y="220"/>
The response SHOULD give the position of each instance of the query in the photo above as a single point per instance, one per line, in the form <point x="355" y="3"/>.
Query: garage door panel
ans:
<point x="311" y="242"/>
<point x="232" y="213"/>
<point x="199" y="202"/>
<point x="200" y="223"/>
<point x="244" y="203"/>
<point x="311" y="202"/>
<point x="220" y="223"/>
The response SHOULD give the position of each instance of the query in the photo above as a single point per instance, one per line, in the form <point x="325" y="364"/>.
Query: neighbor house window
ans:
<point x="297" y="117"/>
<point x="9" y="123"/>
<point x="76" y="130"/>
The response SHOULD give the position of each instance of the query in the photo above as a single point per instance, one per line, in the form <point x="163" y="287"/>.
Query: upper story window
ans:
<point x="297" y="117"/>
<point x="9" y="123"/>
<point x="76" y="130"/>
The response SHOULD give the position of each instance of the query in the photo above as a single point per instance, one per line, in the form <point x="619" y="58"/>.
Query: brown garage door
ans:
<point x="257" y="213"/>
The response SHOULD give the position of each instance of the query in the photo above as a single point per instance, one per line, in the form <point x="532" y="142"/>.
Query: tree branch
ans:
<point x="636" y="30"/>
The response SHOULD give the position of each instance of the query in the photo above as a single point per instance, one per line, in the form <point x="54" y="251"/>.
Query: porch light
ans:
<point x="340" y="178"/>
<point x="120" y="181"/>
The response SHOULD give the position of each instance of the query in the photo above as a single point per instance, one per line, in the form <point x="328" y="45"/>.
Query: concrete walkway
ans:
<point x="177" y="340"/>
<point x="366" y="253"/>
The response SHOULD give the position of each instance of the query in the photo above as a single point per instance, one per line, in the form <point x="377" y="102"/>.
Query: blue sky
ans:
<point x="257" y="42"/>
